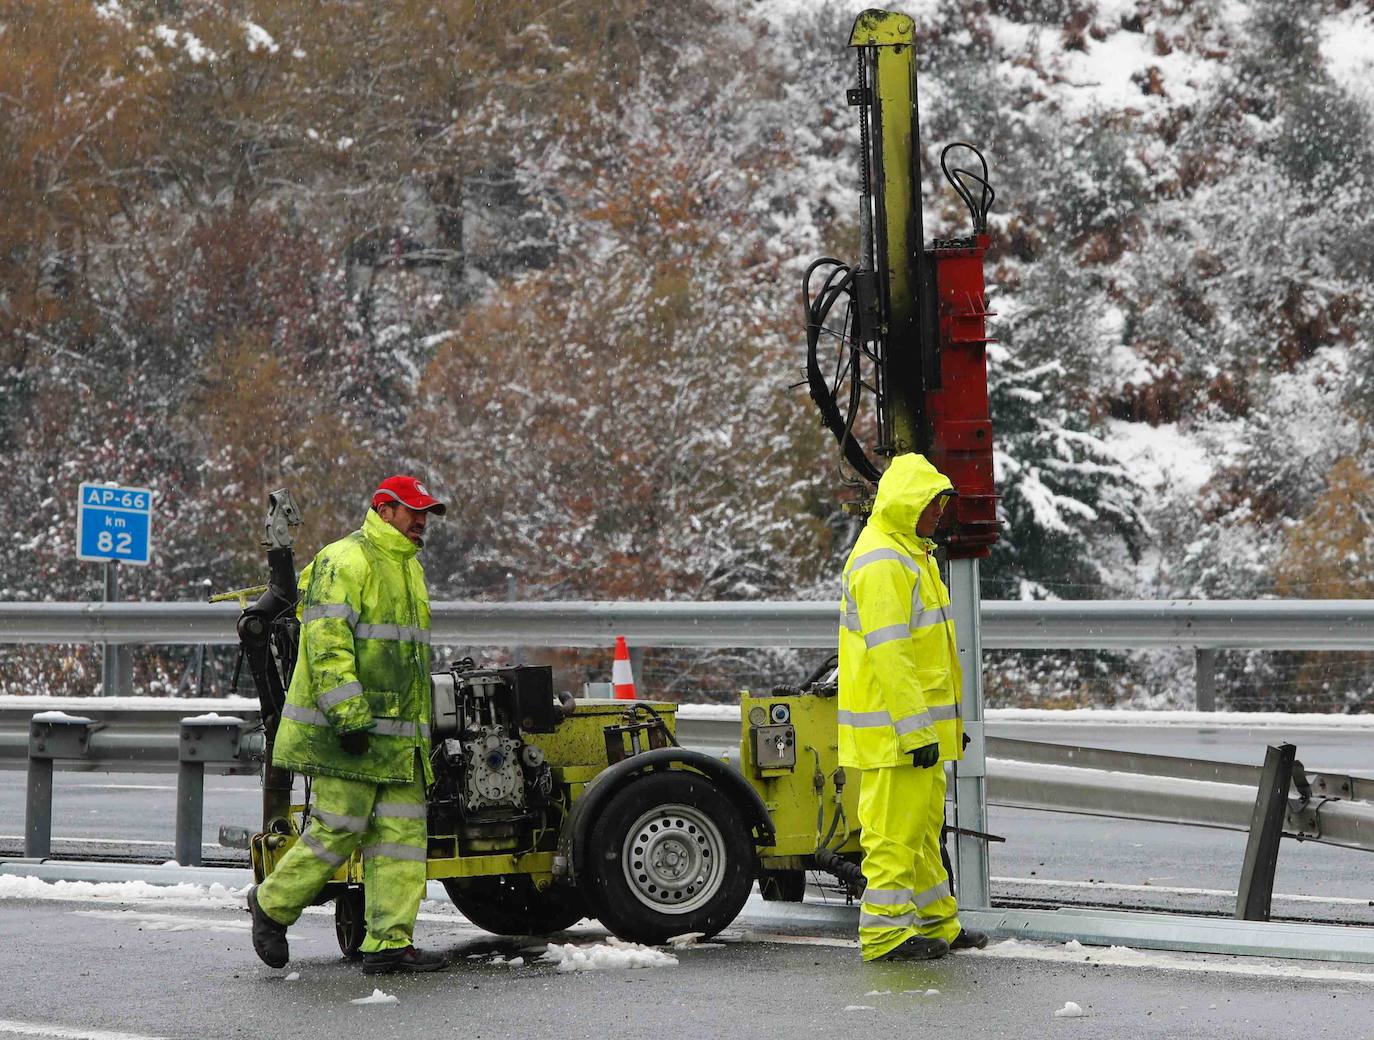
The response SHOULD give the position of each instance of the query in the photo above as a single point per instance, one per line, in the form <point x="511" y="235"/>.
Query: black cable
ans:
<point x="978" y="209"/>
<point x="836" y="284"/>
<point x="640" y="706"/>
<point x="822" y="669"/>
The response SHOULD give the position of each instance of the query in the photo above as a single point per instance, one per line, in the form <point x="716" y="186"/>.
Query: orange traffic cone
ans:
<point x="621" y="677"/>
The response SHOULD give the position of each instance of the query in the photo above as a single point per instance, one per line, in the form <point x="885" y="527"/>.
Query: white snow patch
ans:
<point x="258" y="39"/>
<point x="879" y="993"/>
<point x="378" y="997"/>
<point x="61" y="716"/>
<point x="1347" y="47"/>
<point x="692" y="941"/>
<point x="186" y="41"/>
<point x="184" y="894"/>
<point x="860" y="1007"/>
<point x="41" y="702"/>
<point x="516" y="962"/>
<point x="611" y="955"/>
<point x="1070" y="1010"/>
<point x="1165" y="459"/>
<point x="295" y="976"/>
<point x="213" y="716"/>
<point x="113" y="11"/>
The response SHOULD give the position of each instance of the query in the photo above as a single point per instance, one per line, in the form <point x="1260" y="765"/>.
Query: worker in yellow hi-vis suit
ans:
<point x="357" y="719"/>
<point x="899" y="716"/>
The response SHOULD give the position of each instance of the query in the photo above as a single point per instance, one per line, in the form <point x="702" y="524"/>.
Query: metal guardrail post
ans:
<point x="1266" y="830"/>
<point x="971" y="874"/>
<point x="52" y="734"/>
<point x="204" y="738"/>
<point x="1205" y="679"/>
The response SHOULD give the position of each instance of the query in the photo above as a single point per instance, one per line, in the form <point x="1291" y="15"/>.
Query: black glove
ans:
<point x="967" y="741"/>
<point x="355" y="743"/>
<point x="925" y="757"/>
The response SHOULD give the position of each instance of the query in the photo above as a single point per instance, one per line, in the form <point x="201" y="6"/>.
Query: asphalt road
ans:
<point x="86" y="971"/>
<point x="129" y="970"/>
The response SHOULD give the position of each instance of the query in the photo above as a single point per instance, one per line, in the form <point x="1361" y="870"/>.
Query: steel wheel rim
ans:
<point x="674" y="859"/>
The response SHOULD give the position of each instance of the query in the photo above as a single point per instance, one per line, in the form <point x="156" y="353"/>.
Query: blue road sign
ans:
<point x="114" y="523"/>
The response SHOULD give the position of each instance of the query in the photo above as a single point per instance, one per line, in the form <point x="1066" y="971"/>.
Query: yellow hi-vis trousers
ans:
<point x="389" y="821"/>
<point x="901" y="811"/>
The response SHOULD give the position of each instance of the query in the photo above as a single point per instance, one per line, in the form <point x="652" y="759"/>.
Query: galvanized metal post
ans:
<point x="1256" y="888"/>
<point x="109" y="655"/>
<point x="970" y="789"/>
<point x="38" y="809"/>
<point x="52" y="734"/>
<point x="1205" y="680"/>
<point x="204" y="738"/>
<point x="190" y="811"/>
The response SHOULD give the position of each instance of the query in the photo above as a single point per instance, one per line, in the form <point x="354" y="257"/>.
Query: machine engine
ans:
<point x="491" y="784"/>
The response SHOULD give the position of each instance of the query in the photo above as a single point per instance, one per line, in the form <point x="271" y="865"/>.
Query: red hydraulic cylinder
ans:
<point x="956" y="401"/>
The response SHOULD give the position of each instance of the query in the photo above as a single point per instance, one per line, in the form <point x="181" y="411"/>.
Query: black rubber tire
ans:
<point x="782" y="886"/>
<point x="350" y="922"/>
<point x="510" y="904"/>
<point x="701" y="853"/>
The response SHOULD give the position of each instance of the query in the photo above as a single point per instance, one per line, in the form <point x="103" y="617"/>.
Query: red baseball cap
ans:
<point x="409" y="492"/>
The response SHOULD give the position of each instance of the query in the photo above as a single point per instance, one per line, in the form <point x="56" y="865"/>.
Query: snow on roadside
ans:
<point x="183" y="894"/>
<point x="611" y="955"/>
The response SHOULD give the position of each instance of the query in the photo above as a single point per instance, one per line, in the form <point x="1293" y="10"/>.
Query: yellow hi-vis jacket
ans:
<point x="363" y="662"/>
<point x="900" y="683"/>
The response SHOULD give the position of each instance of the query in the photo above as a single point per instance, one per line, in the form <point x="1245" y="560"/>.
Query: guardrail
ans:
<point x="1204" y="625"/>
<point x="1006" y="625"/>
<point x="1021" y="773"/>
<point x="226" y="742"/>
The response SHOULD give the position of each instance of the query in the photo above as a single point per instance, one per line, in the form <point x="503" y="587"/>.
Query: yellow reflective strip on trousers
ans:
<point x="394" y="879"/>
<point x="901" y="811"/>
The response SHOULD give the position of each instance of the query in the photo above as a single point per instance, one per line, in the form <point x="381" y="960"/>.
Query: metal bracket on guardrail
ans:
<point x="214" y="739"/>
<point x="52" y="734"/>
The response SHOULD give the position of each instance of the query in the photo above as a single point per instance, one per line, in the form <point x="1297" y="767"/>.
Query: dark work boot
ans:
<point x="404" y="958"/>
<point x="269" y="937"/>
<point x="917" y="948"/>
<point x="969" y="939"/>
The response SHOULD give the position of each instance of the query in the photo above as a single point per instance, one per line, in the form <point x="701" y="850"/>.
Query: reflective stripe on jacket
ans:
<point x="363" y="662"/>
<point x="899" y="673"/>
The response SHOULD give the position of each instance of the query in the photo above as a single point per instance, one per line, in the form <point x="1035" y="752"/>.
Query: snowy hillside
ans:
<point x="554" y="270"/>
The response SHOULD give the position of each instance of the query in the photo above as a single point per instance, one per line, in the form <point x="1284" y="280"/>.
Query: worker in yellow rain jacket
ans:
<point x="899" y="716"/>
<point x="357" y="720"/>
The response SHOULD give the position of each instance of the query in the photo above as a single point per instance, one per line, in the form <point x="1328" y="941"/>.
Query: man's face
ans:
<point x="929" y="519"/>
<point x="410" y="522"/>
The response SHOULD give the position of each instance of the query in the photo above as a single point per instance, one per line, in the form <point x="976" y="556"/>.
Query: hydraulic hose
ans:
<point x="838" y="283"/>
<point x="831" y="862"/>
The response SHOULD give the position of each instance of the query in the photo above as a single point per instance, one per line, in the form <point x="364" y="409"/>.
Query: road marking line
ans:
<point x="67" y="1032"/>
<point x="98" y="841"/>
<point x="1172" y="890"/>
<point x="747" y="935"/>
<point x="1165" y="960"/>
<point x="168" y="922"/>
